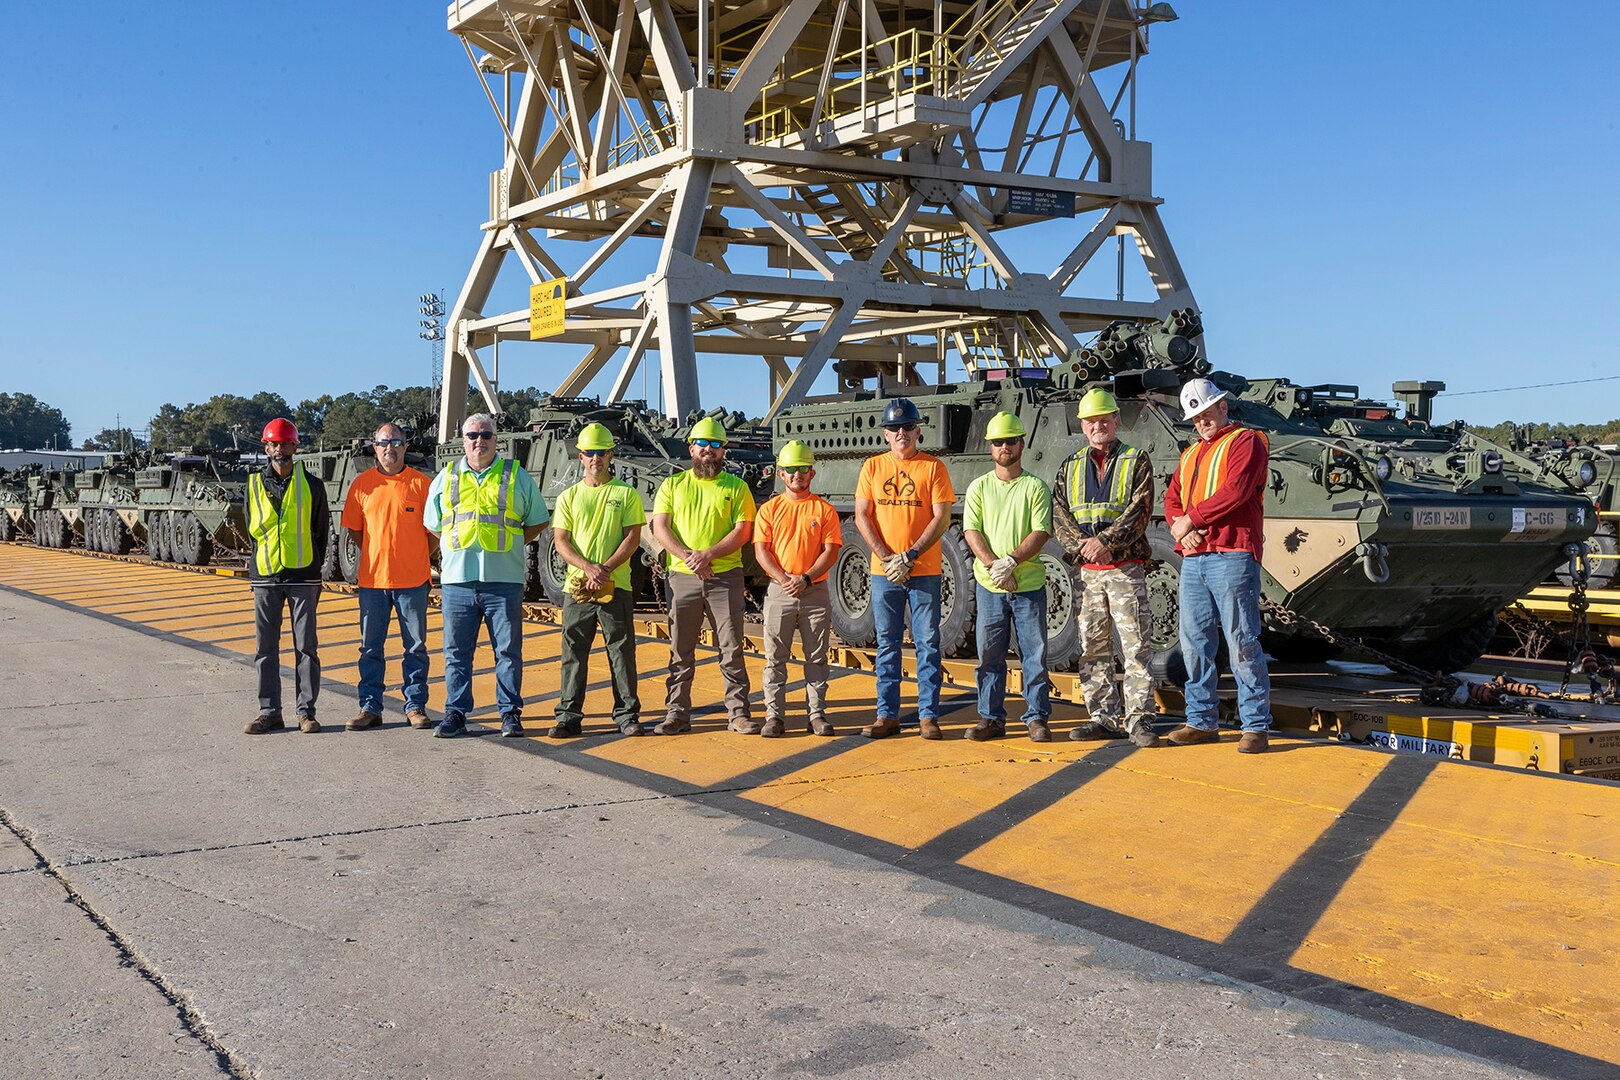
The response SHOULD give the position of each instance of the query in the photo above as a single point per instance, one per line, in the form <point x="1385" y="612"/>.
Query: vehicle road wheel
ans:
<point x="7" y="529"/>
<point x="1453" y="652"/>
<point x="104" y="519"/>
<point x="348" y="556"/>
<point x="329" y="565"/>
<point x="92" y="530"/>
<point x="850" y="589"/>
<point x="1062" y="609"/>
<point x="119" y="539"/>
<point x="205" y="545"/>
<point x="1164" y="605"/>
<point x="549" y="576"/>
<point x="154" y="547"/>
<point x="958" y="598"/>
<point x="166" y="533"/>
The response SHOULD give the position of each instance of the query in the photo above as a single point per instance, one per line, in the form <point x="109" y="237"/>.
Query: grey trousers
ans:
<point x="268" y="601"/>
<point x="809" y="615"/>
<point x="722" y="598"/>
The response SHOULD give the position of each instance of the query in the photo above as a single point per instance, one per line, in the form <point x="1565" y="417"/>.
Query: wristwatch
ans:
<point x="807" y="580"/>
<point x="911" y="554"/>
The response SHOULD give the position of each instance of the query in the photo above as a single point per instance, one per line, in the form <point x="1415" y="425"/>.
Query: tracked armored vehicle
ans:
<point x="650" y="448"/>
<point x="1404" y="536"/>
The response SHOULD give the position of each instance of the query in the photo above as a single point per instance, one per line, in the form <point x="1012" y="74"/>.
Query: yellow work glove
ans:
<point x="897" y="568"/>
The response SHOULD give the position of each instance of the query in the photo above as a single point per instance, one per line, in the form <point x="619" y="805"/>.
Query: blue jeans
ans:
<point x="889" y="603"/>
<point x="466" y="606"/>
<point x="1002" y="615"/>
<point x="377" y="606"/>
<point x="1220" y="593"/>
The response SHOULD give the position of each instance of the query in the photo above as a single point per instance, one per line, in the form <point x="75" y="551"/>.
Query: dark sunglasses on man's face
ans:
<point x="712" y="443"/>
<point x="899" y="427"/>
<point x="388" y="442"/>
<point x="593" y="453"/>
<point x="1005" y="442"/>
<point x="477" y="435"/>
<point x="798" y="468"/>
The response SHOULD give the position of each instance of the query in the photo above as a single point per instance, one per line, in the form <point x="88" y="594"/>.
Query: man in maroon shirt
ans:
<point x="1215" y="506"/>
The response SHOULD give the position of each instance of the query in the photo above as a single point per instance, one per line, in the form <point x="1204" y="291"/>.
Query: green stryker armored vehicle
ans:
<point x="650" y="448"/>
<point x="191" y="506"/>
<point x="54" y="498"/>
<point x="1595" y="470"/>
<point x="108" y="503"/>
<point x="16" y="511"/>
<point x="1407" y="537"/>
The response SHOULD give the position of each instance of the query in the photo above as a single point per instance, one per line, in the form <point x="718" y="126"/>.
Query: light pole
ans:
<point x="432" y="323"/>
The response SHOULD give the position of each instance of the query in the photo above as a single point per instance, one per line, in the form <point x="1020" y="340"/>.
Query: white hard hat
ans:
<point x="1198" y="395"/>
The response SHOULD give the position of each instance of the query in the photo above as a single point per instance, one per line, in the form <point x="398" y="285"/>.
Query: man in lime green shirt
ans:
<point x="596" y="527"/>
<point x="1006" y="522"/>
<point x="702" y="518"/>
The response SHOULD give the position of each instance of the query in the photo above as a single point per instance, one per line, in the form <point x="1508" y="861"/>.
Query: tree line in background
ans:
<point x="231" y="420"/>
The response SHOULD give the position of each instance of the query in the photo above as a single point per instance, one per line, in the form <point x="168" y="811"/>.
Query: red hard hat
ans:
<point x="280" y="430"/>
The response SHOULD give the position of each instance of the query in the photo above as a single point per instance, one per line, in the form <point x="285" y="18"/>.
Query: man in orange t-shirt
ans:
<point x="902" y="507"/>
<point x="796" y="539"/>
<point x="383" y="515"/>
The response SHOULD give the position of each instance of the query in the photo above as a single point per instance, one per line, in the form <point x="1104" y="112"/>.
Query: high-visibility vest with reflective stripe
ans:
<point x="282" y="539"/>
<point x="482" y="512"/>
<point x="1094" y="500"/>
<point x="1203" y="474"/>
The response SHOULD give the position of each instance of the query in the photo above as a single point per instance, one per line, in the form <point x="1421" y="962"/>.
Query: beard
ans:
<point x="706" y="470"/>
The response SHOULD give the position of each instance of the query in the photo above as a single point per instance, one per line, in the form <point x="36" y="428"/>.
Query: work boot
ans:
<point x="986" y="729"/>
<point x="818" y="725"/>
<point x="1187" y="735"/>
<point x="267" y="722"/>
<point x="309" y="725"/>
<point x="631" y="728"/>
<point x="419" y="718"/>
<point x="363" y="721"/>
<point x="1142" y="733"/>
<point x="566" y="729"/>
<point x="773" y="729"/>
<point x="1253" y="742"/>
<point x="742" y="725"/>
<point x="1039" y="732"/>
<point x="1095" y="729"/>
<point x="453" y="725"/>
<point x="928" y="728"/>
<point x="881" y="728"/>
<point x="512" y="727"/>
<point x="673" y="725"/>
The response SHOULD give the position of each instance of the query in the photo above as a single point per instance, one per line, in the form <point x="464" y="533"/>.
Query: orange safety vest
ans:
<point x="1204" y="465"/>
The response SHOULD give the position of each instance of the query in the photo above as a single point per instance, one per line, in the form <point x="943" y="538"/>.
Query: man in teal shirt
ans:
<point x="485" y="510"/>
<point x="1006" y="521"/>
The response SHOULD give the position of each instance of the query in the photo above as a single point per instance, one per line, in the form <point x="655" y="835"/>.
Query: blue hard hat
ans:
<point x="901" y="411"/>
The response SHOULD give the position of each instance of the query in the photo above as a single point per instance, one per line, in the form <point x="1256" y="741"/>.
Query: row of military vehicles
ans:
<point x="1382" y="527"/>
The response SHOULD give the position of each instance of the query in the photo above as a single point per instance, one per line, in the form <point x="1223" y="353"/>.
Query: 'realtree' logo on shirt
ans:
<point x="901" y="491"/>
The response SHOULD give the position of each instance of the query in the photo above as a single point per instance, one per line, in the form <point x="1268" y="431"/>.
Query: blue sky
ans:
<point x="204" y="198"/>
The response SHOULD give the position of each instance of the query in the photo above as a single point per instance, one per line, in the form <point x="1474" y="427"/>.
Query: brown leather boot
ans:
<point x="819" y="726"/>
<point x="986" y="729"/>
<point x="773" y="729"/>
<point x="928" y="728"/>
<point x="1253" y="742"/>
<point x="1191" y="736"/>
<point x="362" y="721"/>
<point x="1039" y="732"/>
<point x="881" y="728"/>
<point x="419" y="718"/>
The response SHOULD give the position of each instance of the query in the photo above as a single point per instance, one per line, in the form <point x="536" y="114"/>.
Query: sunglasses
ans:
<point x="594" y="453"/>
<point x="899" y="427"/>
<point x="797" y="468"/>
<point x="388" y="442"/>
<point x="477" y="435"/>
<point x="707" y="442"/>
<point x="1005" y="442"/>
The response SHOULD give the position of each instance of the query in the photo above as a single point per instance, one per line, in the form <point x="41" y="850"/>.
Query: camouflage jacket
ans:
<point x="1126" y="536"/>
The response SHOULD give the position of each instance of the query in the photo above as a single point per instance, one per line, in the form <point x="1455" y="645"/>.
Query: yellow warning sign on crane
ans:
<point x="546" y="303"/>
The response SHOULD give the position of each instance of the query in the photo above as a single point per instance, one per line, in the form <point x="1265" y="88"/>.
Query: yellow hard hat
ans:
<point x="1097" y="402"/>
<point x="595" y="437"/>
<point x="707" y="427"/>
<point x="795" y="453"/>
<point x="1004" y="425"/>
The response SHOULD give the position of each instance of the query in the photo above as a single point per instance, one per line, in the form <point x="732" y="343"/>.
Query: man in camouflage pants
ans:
<point x="1101" y="505"/>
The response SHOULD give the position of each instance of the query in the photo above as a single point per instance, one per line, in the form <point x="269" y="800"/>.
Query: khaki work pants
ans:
<point x="721" y="597"/>
<point x="809" y="615"/>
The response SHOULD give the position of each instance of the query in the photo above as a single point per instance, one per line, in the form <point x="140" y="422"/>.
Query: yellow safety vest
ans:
<point x="1095" y="503"/>
<point x="281" y="539"/>
<point x="482" y="511"/>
